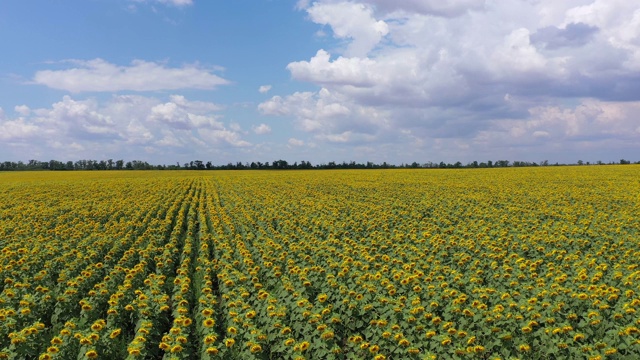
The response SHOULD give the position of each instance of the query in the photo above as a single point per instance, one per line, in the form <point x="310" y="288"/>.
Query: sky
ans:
<point x="171" y="81"/>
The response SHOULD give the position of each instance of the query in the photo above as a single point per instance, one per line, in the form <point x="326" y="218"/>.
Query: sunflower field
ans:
<point x="513" y="263"/>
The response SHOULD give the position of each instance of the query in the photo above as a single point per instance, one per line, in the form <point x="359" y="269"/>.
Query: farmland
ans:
<point x="529" y="263"/>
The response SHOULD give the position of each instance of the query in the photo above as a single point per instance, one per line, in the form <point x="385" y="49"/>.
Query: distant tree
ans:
<point x="280" y="164"/>
<point x="140" y="165"/>
<point x="56" y="165"/>
<point x="34" y="164"/>
<point x="305" y="165"/>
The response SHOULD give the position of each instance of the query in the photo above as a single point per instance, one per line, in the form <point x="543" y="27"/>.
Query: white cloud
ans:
<point x="170" y="114"/>
<point x="433" y="74"/>
<point x="223" y="136"/>
<point x="79" y="118"/>
<point x="23" y="110"/>
<point x="169" y="139"/>
<point x="342" y="71"/>
<point x="264" y="89"/>
<point x="295" y="142"/>
<point x="349" y="20"/>
<point x="262" y="129"/>
<point x="518" y="55"/>
<point x="177" y="2"/>
<point x="17" y="130"/>
<point x="196" y="107"/>
<point x="183" y="114"/>
<point x="592" y="121"/>
<point x="449" y="8"/>
<point x="329" y="116"/>
<point x="123" y="126"/>
<point x="99" y="75"/>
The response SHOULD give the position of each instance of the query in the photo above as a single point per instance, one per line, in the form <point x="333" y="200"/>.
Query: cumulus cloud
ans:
<point x="177" y="2"/>
<point x="264" y="89"/>
<point x="348" y="71"/>
<point x="328" y="116"/>
<point x="262" y="129"/>
<point x="223" y="136"/>
<point x="295" y="142"/>
<point x="449" y="8"/>
<point x="435" y="73"/>
<point x="180" y="113"/>
<point x="349" y="20"/>
<point x="99" y="75"/>
<point x="572" y="35"/>
<point x="17" y="130"/>
<point x="23" y="110"/>
<point x="103" y="128"/>
<point x="583" y="130"/>
<point x="77" y="118"/>
<point x="196" y="107"/>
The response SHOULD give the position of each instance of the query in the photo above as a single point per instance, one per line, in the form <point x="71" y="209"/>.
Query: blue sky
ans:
<point x="169" y="81"/>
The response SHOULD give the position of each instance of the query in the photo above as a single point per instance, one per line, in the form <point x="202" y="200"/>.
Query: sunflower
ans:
<point x="304" y="345"/>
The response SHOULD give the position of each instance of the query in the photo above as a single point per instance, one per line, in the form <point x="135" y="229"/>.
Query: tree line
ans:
<point x="110" y="164"/>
